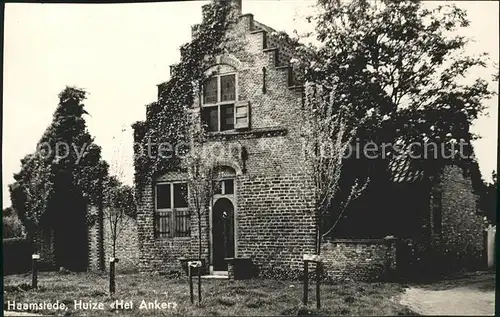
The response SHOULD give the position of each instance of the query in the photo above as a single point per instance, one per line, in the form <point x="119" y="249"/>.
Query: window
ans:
<point x="228" y="88"/>
<point x="226" y="187"/>
<point x="219" y="98"/>
<point x="172" y="213"/>
<point x="227" y="117"/>
<point x="211" y="118"/>
<point x="210" y="91"/>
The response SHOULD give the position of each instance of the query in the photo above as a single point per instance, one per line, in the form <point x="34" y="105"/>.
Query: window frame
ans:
<point x="220" y="103"/>
<point x="170" y="212"/>
<point x="223" y="185"/>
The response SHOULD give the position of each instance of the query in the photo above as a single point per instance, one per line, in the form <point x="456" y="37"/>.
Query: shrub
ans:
<point x="16" y="256"/>
<point x="12" y="226"/>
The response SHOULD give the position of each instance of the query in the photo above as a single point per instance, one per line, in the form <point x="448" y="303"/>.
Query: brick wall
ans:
<point x="461" y="240"/>
<point x="47" y="249"/>
<point x="95" y="246"/>
<point x="359" y="259"/>
<point x="127" y="246"/>
<point x="158" y="255"/>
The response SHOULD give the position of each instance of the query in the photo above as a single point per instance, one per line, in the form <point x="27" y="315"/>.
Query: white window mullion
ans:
<point x="157" y="220"/>
<point x="219" y="98"/>
<point x="172" y="213"/>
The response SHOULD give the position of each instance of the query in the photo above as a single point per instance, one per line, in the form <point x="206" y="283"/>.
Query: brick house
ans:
<point x="250" y="104"/>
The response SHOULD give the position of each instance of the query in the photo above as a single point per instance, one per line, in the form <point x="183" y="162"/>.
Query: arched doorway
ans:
<point x="222" y="233"/>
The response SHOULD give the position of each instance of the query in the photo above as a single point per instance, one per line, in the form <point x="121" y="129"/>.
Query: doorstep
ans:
<point x="222" y="275"/>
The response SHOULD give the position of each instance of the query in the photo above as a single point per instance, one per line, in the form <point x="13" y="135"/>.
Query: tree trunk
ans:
<point x="318" y="233"/>
<point x="199" y="236"/>
<point x="199" y="257"/>
<point x="100" y="237"/>
<point x="34" y="263"/>
<point x="112" y="284"/>
<point x="318" y="263"/>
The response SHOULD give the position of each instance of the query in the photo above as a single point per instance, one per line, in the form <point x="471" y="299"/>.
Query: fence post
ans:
<point x="306" y="281"/>
<point x="199" y="285"/>
<point x="196" y="264"/>
<point x="318" y="281"/>
<point x="191" y="295"/>
<point x="316" y="259"/>
<point x="34" y="270"/>
<point x="112" y="285"/>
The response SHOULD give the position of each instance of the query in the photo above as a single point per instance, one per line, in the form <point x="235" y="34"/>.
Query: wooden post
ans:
<point x="112" y="285"/>
<point x="196" y="264"/>
<point x="191" y="295"/>
<point x="318" y="281"/>
<point x="306" y="281"/>
<point x="199" y="285"/>
<point x="34" y="270"/>
<point x="316" y="259"/>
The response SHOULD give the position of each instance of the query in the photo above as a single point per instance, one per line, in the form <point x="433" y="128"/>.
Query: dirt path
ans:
<point x="13" y="313"/>
<point x="461" y="300"/>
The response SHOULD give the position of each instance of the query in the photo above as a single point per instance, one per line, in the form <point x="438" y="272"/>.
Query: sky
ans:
<point x="120" y="52"/>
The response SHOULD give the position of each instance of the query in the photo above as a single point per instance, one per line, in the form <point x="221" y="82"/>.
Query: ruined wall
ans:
<point x="359" y="259"/>
<point x="461" y="241"/>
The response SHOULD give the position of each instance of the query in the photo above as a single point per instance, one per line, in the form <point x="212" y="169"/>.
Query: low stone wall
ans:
<point x="359" y="259"/>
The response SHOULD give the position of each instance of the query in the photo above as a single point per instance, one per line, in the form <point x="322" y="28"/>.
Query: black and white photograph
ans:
<point x="250" y="158"/>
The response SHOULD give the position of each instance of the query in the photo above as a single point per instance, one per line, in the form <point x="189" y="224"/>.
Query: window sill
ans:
<point x="247" y="134"/>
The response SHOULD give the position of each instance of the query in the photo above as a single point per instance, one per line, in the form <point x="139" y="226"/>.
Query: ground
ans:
<point x="220" y="297"/>
<point x="472" y="294"/>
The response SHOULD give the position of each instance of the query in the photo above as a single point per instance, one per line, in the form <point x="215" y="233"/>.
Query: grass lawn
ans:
<point x="220" y="297"/>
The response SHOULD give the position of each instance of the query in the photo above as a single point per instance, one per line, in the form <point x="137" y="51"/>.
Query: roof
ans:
<point x="404" y="169"/>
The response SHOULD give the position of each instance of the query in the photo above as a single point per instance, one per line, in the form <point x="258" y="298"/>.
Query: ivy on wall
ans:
<point x="167" y="120"/>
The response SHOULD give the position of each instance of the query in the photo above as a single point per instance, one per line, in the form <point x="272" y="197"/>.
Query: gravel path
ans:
<point x="14" y="313"/>
<point x="454" y="301"/>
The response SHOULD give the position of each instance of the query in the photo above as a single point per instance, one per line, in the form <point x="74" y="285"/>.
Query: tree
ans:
<point x="326" y="138"/>
<point x="400" y="69"/>
<point x="119" y="209"/>
<point x="119" y="205"/>
<point x="57" y="182"/>
<point x="12" y="226"/>
<point x="30" y="194"/>
<point x="400" y="63"/>
<point x="202" y="173"/>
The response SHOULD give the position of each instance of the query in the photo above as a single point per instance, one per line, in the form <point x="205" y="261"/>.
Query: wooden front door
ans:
<point x="222" y="233"/>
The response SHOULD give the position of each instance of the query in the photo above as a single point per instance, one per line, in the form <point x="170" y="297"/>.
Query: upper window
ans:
<point x="172" y="217"/>
<point x="219" y="97"/>
<point x="225" y="187"/>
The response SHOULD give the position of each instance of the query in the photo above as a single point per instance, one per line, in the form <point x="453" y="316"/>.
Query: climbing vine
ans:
<point x="167" y="120"/>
